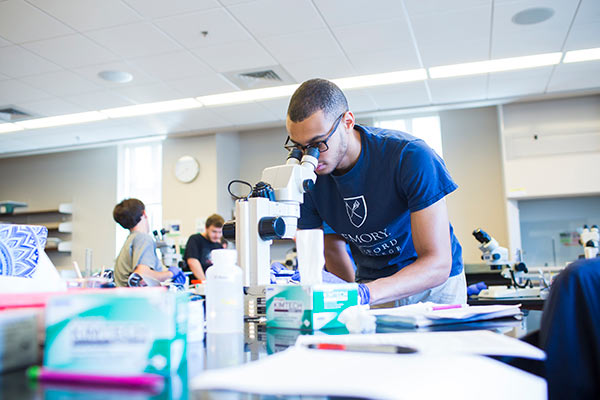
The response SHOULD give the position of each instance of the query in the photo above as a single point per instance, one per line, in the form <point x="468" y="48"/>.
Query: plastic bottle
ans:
<point x="224" y="294"/>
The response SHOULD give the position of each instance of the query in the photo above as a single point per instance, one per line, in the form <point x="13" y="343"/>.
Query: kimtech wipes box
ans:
<point x="117" y="332"/>
<point x="309" y="307"/>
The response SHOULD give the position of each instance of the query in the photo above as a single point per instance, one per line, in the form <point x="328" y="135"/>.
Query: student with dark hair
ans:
<point x="382" y="192"/>
<point x="138" y="254"/>
<point x="199" y="246"/>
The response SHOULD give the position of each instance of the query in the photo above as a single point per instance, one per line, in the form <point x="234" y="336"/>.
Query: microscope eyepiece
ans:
<point x="481" y="236"/>
<point x="295" y="153"/>
<point x="312" y="151"/>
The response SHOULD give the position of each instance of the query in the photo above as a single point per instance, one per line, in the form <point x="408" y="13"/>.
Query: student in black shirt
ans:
<point x="199" y="246"/>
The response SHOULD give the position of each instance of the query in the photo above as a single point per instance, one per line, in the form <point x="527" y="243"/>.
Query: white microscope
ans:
<point x="497" y="258"/>
<point x="590" y="239"/>
<point x="270" y="211"/>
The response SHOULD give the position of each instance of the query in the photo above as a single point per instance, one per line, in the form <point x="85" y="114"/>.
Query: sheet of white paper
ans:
<point x="424" y="309"/>
<point x="440" y="343"/>
<point x="300" y="371"/>
<point x="311" y="258"/>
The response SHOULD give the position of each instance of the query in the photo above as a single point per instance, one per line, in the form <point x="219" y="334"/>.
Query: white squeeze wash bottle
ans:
<point x="224" y="294"/>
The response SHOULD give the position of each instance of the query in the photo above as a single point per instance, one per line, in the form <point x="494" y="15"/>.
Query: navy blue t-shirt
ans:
<point x="370" y="205"/>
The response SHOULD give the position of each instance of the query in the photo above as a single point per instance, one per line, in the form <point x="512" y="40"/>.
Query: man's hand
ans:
<point x="178" y="276"/>
<point x="196" y="268"/>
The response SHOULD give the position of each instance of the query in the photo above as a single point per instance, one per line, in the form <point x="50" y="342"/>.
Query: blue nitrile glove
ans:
<point x="178" y="276"/>
<point x="275" y="269"/>
<point x="476" y="288"/>
<point x="328" y="277"/>
<point x="364" y="293"/>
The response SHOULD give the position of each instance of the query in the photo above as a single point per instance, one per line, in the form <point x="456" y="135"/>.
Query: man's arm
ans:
<point x="196" y="268"/>
<point x="337" y="259"/>
<point x="160" y="276"/>
<point x="431" y="238"/>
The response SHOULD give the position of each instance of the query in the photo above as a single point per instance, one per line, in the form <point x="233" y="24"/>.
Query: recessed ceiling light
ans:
<point x="532" y="16"/>
<point x="67" y="119"/>
<point x="387" y="78"/>
<point x="582" y="55"/>
<point x="152" y="108"/>
<point x="5" y="128"/>
<point x="116" y="76"/>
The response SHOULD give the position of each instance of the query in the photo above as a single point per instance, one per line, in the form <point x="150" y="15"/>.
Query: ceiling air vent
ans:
<point x="12" y="114"/>
<point x="260" y="77"/>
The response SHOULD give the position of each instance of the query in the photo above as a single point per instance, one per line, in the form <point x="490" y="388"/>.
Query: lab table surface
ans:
<point x="217" y="351"/>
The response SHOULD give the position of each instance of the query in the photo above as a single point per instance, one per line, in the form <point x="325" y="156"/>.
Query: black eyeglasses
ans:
<point x="321" y="145"/>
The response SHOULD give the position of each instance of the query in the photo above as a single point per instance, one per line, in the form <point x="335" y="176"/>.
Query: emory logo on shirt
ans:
<point x="356" y="208"/>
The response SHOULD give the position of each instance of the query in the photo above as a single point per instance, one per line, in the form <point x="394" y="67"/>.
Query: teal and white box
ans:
<point x="309" y="307"/>
<point x="120" y="332"/>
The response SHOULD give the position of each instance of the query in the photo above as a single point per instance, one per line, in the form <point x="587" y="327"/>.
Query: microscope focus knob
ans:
<point x="271" y="228"/>
<point x="308" y="185"/>
<point x="495" y="256"/>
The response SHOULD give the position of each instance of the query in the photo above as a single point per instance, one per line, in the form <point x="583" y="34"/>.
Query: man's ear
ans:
<point x="349" y="120"/>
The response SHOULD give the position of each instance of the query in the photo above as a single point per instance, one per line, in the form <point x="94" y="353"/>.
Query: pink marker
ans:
<point x="448" y="306"/>
<point x="49" y="375"/>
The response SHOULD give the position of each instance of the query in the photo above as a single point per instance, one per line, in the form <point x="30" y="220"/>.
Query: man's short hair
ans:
<point x="215" y="220"/>
<point x="314" y="95"/>
<point x="128" y="213"/>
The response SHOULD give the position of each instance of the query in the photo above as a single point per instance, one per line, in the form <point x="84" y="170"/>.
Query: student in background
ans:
<point x="138" y="254"/>
<point x="199" y="246"/>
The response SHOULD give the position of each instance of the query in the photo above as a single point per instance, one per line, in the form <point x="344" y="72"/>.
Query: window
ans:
<point x="140" y="176"/>
<point x="426" y="128"/>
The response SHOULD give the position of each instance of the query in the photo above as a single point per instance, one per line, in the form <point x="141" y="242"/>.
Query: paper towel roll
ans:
<point x="311" y="258"/>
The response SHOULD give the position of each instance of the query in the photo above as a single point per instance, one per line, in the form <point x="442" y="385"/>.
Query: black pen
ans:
<point x="364" y="348"/>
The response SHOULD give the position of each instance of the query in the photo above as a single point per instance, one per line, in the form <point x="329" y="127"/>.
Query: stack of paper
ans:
<point x="427" y="314"/>
<point x="441" y="343"/>
<point x="301" y="371"/>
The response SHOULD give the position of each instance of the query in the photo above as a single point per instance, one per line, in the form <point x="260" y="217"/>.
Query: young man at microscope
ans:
<point x="199" y="246"/>
<point x="382" y="192"/>
<point x="138" y="254"/>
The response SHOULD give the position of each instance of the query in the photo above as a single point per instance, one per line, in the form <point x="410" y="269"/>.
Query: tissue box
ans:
<point x="312" y="307"/>
<point x="125" y="332"/>
<point x="19" y="345"/>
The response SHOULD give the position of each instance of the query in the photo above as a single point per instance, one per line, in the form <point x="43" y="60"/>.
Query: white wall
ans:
<point x="188" y="202"/>
<point x="228" y="169"/>
<point x="552" y="147"/>
<point x="472" y="153"/>
<point x="87" y="178"/>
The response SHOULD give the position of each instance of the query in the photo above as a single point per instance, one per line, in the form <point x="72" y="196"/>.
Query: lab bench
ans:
<point x="221" y="350"/>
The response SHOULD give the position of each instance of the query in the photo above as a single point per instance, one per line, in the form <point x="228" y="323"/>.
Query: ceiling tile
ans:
<point x="585" y="32"/>
<point x="20" y="22"/>
<point x="13" y="92"/>
<point x="61" y="83"/>
<point x="50" y="107"/>
<point x="199" y="119"/>
<point x="374" y="62"/>
<point x="232" y="2"/>
<point x="325" y="67"/>
<point x="149" y="93"/>
<point x="350" y="12"/>
<point x="235" y="56"/>
<point x="139" y="76"/>
<point x="417" y="7"/>
<point x="187" y="29"/>
<point x="180" y="64"/>
<point x="16" y="62"/>
<point x="266" y="18"/>
<point x="449" y="90"/>
<point x="307" y="45"/>
<point x="385" y="35"/>
<point x="511" y="40"/>
<point x="99" y="100"/>
<point x="161" y="8"/>
<point x="135" y="40"/>
<point x="4" y="42"/>
<point x="243" y="114"/>
<point x="518" y="83"/>
<point x="202" y="85"/>
<point x="404" y="95"/>
<point x="85" y="15"/>
<point x="575" y="76"/>
<point x="360" y="101"/>
<point x="71" y="51"/>
<point x="439" y="53"/>
<point x="277" y="107"/>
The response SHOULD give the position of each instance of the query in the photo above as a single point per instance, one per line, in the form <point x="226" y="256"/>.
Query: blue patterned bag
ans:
<point x="20" y="247"/>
